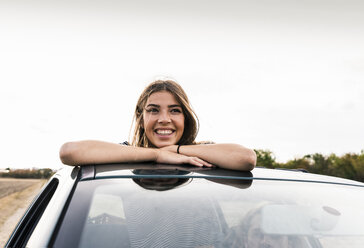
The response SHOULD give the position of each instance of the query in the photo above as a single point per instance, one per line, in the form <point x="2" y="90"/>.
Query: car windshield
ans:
<point x="200" y="213"/>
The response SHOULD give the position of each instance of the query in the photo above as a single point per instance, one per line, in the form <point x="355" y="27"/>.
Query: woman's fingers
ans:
<point x="174" y="158"/>
<point x="194" y="162"/>
<point x="198" y="162"/>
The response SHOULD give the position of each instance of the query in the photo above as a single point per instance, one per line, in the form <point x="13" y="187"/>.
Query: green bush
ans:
<point x="350" y="165"/>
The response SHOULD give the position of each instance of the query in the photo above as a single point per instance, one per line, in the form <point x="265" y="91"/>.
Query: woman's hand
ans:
<point x="165" y="156"/>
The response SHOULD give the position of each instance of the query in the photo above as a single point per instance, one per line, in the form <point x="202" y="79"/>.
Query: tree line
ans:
<point x="349" y="165"/>
<point x="44" y="173"/>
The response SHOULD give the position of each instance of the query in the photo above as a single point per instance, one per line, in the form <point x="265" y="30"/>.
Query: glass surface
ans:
<point x="202" y="213"/>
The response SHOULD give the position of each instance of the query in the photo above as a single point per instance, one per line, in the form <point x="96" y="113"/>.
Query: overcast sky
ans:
<point x="287" y="76"/>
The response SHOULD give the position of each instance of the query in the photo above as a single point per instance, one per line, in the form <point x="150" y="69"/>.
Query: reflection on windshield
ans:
<point x="160" y="184"/>
<point x="163" y="183"/>
<point x="250" y="233"/>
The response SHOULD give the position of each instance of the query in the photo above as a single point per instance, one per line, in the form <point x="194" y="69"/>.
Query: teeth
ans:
<point x="164" y="132"/>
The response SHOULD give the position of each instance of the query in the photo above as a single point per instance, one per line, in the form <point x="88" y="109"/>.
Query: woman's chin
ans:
<point x="164" y="144"/>
<point x="160" y="141"/>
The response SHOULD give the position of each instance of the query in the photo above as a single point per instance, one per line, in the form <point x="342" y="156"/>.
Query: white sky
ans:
<point x="277" y="75"/>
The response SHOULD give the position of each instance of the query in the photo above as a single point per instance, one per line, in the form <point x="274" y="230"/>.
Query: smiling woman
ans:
<point x="165" y="132"/>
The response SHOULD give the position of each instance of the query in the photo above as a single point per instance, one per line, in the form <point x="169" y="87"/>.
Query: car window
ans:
<point x="121" y="213"/>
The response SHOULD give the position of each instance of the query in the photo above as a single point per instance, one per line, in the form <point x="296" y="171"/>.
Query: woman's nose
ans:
<point x="164" y="117"/>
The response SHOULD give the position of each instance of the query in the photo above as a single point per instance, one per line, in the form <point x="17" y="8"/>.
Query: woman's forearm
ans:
<point x="99" y="152"/>
<point x="228" y="156"/>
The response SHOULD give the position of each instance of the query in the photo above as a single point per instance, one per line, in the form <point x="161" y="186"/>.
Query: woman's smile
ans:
<point x="164" y="132"/>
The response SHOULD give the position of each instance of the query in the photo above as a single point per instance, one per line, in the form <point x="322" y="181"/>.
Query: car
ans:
<point x="155" y="205"/>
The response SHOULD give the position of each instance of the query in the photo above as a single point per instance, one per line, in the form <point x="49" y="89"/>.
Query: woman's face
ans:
<point x="163" y="119"/>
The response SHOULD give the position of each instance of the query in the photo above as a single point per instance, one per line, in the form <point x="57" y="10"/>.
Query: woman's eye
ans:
<point x="176" y="111"/>
<point x="152" y="110"/>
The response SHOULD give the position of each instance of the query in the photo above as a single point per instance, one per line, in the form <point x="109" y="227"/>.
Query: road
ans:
<point x="16" y="195"/>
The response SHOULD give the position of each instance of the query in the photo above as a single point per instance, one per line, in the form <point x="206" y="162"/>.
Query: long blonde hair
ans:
<point x="191" y="124"/>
